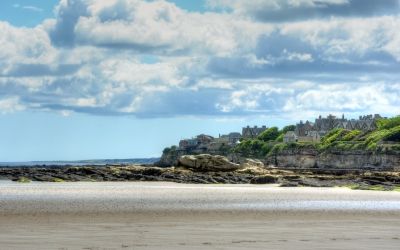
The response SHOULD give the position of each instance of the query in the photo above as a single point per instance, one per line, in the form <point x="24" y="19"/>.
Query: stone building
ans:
<point x="289" y="137"/>
<point x="312" y="136"/>
<point x="234" y="137"/>
<point x="251" y="133"/>
<point x="323" y="125"/>
<point x="201" y="141"/>
<point x="188" y="143"/>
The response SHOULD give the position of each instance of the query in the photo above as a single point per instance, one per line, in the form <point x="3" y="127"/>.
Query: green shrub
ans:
<point x="288" y="128"/>
<point x="358" y="146"/>
<point x="388" y="123"/>
<point x="351" y="135"/>
<point x="266" y="148"/>
<point x="334" y="135"/>
<point x="376" y="136"/>
<point x="372" y="146"/>
<point x="252" y="148"/>
<point x="269" y="135"/>
<point x="393" y="135"/>
<point x="166" y="150"/>
<point x="279" y="148"/>
<point x="280" y="138"/>
<point x="343" y="145"/>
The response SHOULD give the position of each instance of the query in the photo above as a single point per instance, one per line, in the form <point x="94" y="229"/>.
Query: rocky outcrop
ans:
<point x="359" y="159"/>
<point x="376" y="180"/>
<point x="207" y="163"/>
<point x="294" y="158"/>
<point x="353" y="159"/>
<point x="251" y="163"/>
<point x="170" y="158"/>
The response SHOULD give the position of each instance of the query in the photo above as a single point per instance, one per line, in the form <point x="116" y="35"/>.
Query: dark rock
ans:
<point x="290" y="184"/>
<point x="264" y="179"/>
<point x="219" y="179"/>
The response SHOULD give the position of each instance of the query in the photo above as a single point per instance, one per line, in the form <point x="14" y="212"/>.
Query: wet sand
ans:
<point x="181" y="216"/>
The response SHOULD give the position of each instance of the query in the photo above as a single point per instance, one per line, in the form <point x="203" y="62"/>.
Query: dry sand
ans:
<point x="181" y="216"/>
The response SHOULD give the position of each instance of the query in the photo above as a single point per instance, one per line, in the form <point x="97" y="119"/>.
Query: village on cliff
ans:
<point x="303" y="132"/>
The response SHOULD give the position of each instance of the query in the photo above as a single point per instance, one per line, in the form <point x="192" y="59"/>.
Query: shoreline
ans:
<point x="168" y="198"/>
<point x="158" y="215"/>
<point x="355" y="179"/>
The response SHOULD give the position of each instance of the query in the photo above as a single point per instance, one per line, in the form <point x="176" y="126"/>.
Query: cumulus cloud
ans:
<point x="282" y="11"/>
<point x="92" y="59"/>
<point x="10" y="105"/>
<point x="28" y="52"/>
<point x="308" y="49"/>
<point x="152" y="27"/>
<point x="374" y="97"/>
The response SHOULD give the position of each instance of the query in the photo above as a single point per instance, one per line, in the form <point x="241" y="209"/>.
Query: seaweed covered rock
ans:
<point x="264" y="179"/>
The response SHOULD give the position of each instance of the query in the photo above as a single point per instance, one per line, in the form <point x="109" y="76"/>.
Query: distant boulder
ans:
<point x="207" y="163"/>
<point x="252" y="163"/>
<point x="264" y="179"/>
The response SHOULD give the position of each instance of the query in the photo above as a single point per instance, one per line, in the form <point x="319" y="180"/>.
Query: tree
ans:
<point x="269" y="135"/>
<point x="288" y="128"/>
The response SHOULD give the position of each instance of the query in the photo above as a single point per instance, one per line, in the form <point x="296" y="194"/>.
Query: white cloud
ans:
<point x="156" y="27"/>
<point x="292" y="10"/>
<point x="90" y="60"/>
<point x="24" y="45"/>
<point x="349" y="36"/>
<point x="346" y="98"/>
<point x="28" y="7"/>
<point x="10" y="105"/>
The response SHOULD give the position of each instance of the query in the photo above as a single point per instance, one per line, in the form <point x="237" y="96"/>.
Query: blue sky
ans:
<point x="85" y="79"/>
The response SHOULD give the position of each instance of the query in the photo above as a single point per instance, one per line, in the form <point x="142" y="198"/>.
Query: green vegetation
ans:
<point x="385" y="138"/>
<point x="23" y="179"/>
<point x="253" y="148"/>
<point x="268" y="142"/>
<point x="351" y="135"/>
<point x="168" y="150"/>
<point x="58" y="180"/>
<point x="373" y="187"/>
<point x="388" y="123"/>
<point x="270" y="134"/>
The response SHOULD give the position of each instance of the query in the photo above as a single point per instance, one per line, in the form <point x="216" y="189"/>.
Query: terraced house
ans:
<point x="323" y="125"/>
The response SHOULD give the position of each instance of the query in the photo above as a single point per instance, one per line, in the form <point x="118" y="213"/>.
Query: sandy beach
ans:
<point x="138" y="215"/>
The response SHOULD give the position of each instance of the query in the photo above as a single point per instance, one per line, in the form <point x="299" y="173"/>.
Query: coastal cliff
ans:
<point x="376" y="149"/>
<point x="336" y="159"/>
<point x="306" y="158"/>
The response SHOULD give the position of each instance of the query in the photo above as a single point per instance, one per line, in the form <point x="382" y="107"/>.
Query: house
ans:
<point x="289" y="137"/>
<point x="311" y="136"/>
<point x="251" y="133"/>
<point x="323" y="125"/>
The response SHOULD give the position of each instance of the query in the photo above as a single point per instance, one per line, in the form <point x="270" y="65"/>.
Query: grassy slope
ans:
<point x="384" y="139"/>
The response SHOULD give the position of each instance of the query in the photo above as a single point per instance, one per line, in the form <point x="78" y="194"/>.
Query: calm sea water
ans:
<point x="80" y="163"/>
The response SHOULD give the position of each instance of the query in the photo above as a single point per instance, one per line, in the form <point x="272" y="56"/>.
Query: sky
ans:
<point x="93" y="79"/>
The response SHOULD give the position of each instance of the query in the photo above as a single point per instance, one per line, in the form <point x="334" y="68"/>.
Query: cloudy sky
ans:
<point x="82" y="79"/>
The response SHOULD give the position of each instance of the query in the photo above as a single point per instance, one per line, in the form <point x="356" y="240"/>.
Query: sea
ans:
<point x="97" y="162"/>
